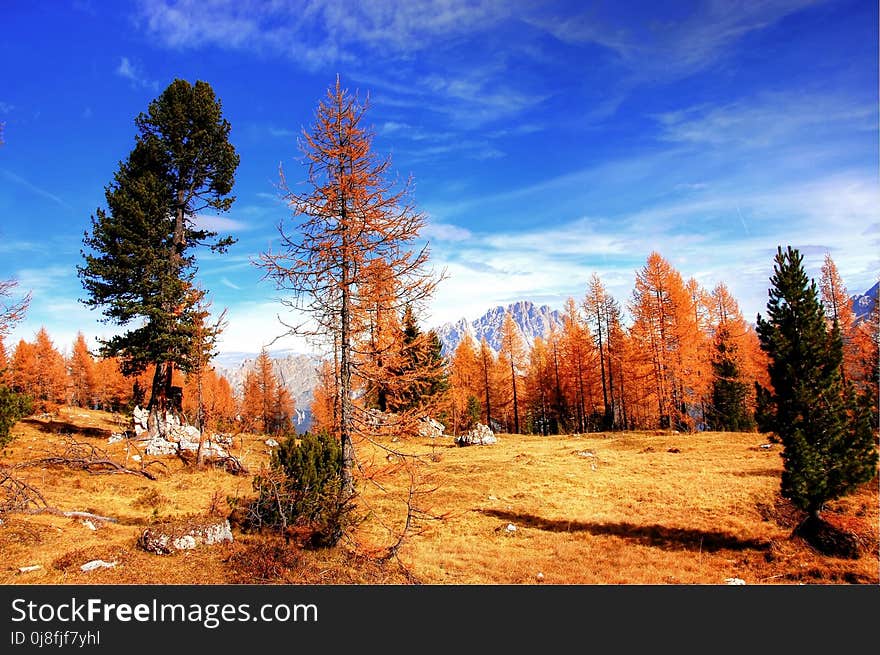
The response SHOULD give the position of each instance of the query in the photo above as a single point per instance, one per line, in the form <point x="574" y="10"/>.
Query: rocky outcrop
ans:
<point x="171" y="537"/>
<point x="172" y="437"/>
<point x="481" y="435"/>
<point x="429" y="427"/>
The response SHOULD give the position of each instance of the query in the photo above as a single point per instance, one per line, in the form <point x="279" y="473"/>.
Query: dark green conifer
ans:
<point x="140" y="266"/>
<point x="828" y="443"/>
<point x="729" y="410"/>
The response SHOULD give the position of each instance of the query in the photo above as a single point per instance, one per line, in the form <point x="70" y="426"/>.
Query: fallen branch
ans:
<point x="16" y="495"/>
<point x="54" y="511"/>
<point x="89" y="458"/>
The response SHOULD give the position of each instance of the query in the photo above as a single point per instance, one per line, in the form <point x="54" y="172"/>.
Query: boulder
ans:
<point x="97" y="564"/>
<point x="429" y="427"/>
<point x="173" y="437"/>
<point x="170" y="537"/>
<point x="481" y="435"/>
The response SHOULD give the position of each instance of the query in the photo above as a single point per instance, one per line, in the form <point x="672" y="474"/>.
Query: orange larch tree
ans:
<point x="47" y="378"/>
<point x="487" y="382"/>
<point x="539" y="388"/>
<point x="4" y="364"/>
<point x="114" y="391"/>
<point x="325" y="397"/>
<point x="266" y="404"/>
<point x="81" y="368"/>
<point x="217" y="408"/>
<point x="602" y="314"/>
<point x="378" y="347"/>
<point x="349" y="215"/>
<point x="465" y="385"/>
<point x="664" y="330"/>
<point x="838" y="308"/>
<point x="514" y="353"/>
<point x="576" y="364"/>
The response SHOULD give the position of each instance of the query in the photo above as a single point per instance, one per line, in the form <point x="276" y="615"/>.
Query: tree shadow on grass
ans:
<point x="63" y="427"/>
<point x="659" y="536"/>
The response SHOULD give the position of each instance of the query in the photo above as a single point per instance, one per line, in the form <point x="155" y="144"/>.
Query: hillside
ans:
<point x="603" y="508"/>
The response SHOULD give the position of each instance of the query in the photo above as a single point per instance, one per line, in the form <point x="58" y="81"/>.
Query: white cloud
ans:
<point x="216" y="223"/>
<point x="735" y="246"/>
<point x="654" y="46"/>
<point x="446" y="232"/>
<point x="252" y="325"/>
<point x="766" y="120"/>
<point x="130" y="72"/>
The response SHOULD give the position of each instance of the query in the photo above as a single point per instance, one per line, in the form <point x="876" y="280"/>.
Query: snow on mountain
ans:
<point x="297" y="372"/>
<point x="532" y="321"/>
<point x="863" y="303"/>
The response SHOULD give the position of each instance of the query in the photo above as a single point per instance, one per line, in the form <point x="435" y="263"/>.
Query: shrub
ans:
<point x="13" y="406"/>
<point x="301" y="493"/>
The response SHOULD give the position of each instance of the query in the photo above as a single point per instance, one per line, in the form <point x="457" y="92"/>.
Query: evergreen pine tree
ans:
<point x="141" y="267"/>
<point x="729" y="409"/>
<point x="828" y="444"/>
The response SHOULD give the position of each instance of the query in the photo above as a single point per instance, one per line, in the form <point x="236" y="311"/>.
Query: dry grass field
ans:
<point x="615" y="508"/>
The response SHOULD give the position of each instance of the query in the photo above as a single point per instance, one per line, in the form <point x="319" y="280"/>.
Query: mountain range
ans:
<point x="863" y="303"/>
<point x="531" y="320"/>
<point x="298" y="372"/>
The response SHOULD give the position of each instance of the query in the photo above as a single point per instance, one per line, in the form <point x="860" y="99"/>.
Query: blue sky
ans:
<point x="547" y="140"/>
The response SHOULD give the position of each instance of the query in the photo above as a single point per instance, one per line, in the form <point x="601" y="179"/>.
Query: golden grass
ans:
<point x="616" y="508"/>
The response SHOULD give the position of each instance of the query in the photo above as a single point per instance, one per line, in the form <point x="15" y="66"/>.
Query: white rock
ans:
<point x="481" y="435"/>
<point x="271" y="443"/>
<point x="116" y="437"/>
<point x="89" y="525"/>
<point x="540" y="577"/>
<point x="136" y="458"/>
<point x="734" y="581"/>
<point x="28" y="569"/>
<point x="97" y="564"/>
<point x="429" y="427"/>
<point x="511" y="527"/>
<point x="156" y="541"/>
<point x="186" y="542"/>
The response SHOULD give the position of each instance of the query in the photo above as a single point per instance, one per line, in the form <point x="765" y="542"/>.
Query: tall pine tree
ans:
<point x="828" y="446"/>
<point x="141" y="266"/>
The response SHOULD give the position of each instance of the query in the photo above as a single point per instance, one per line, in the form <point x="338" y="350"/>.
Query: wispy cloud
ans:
<point x="132" y="73"/>
<point x="446" y="232"/>
<point x="216" y="223"/>
<point x="819" y="216"/>
<point x="767" y="120"/>
<point x="282" y="132"/>
<point x="19" y="180"/>
<point x="316" y="33"/>
<point x="652" y="46"/>
<point x="6" y="108"/>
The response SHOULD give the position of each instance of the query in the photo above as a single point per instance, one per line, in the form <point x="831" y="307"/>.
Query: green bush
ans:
<point x="301" y="494"/>
<point x="13" y="406"/>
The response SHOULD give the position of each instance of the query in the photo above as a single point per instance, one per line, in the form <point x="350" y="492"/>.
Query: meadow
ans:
<point x="601" y="508"/>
